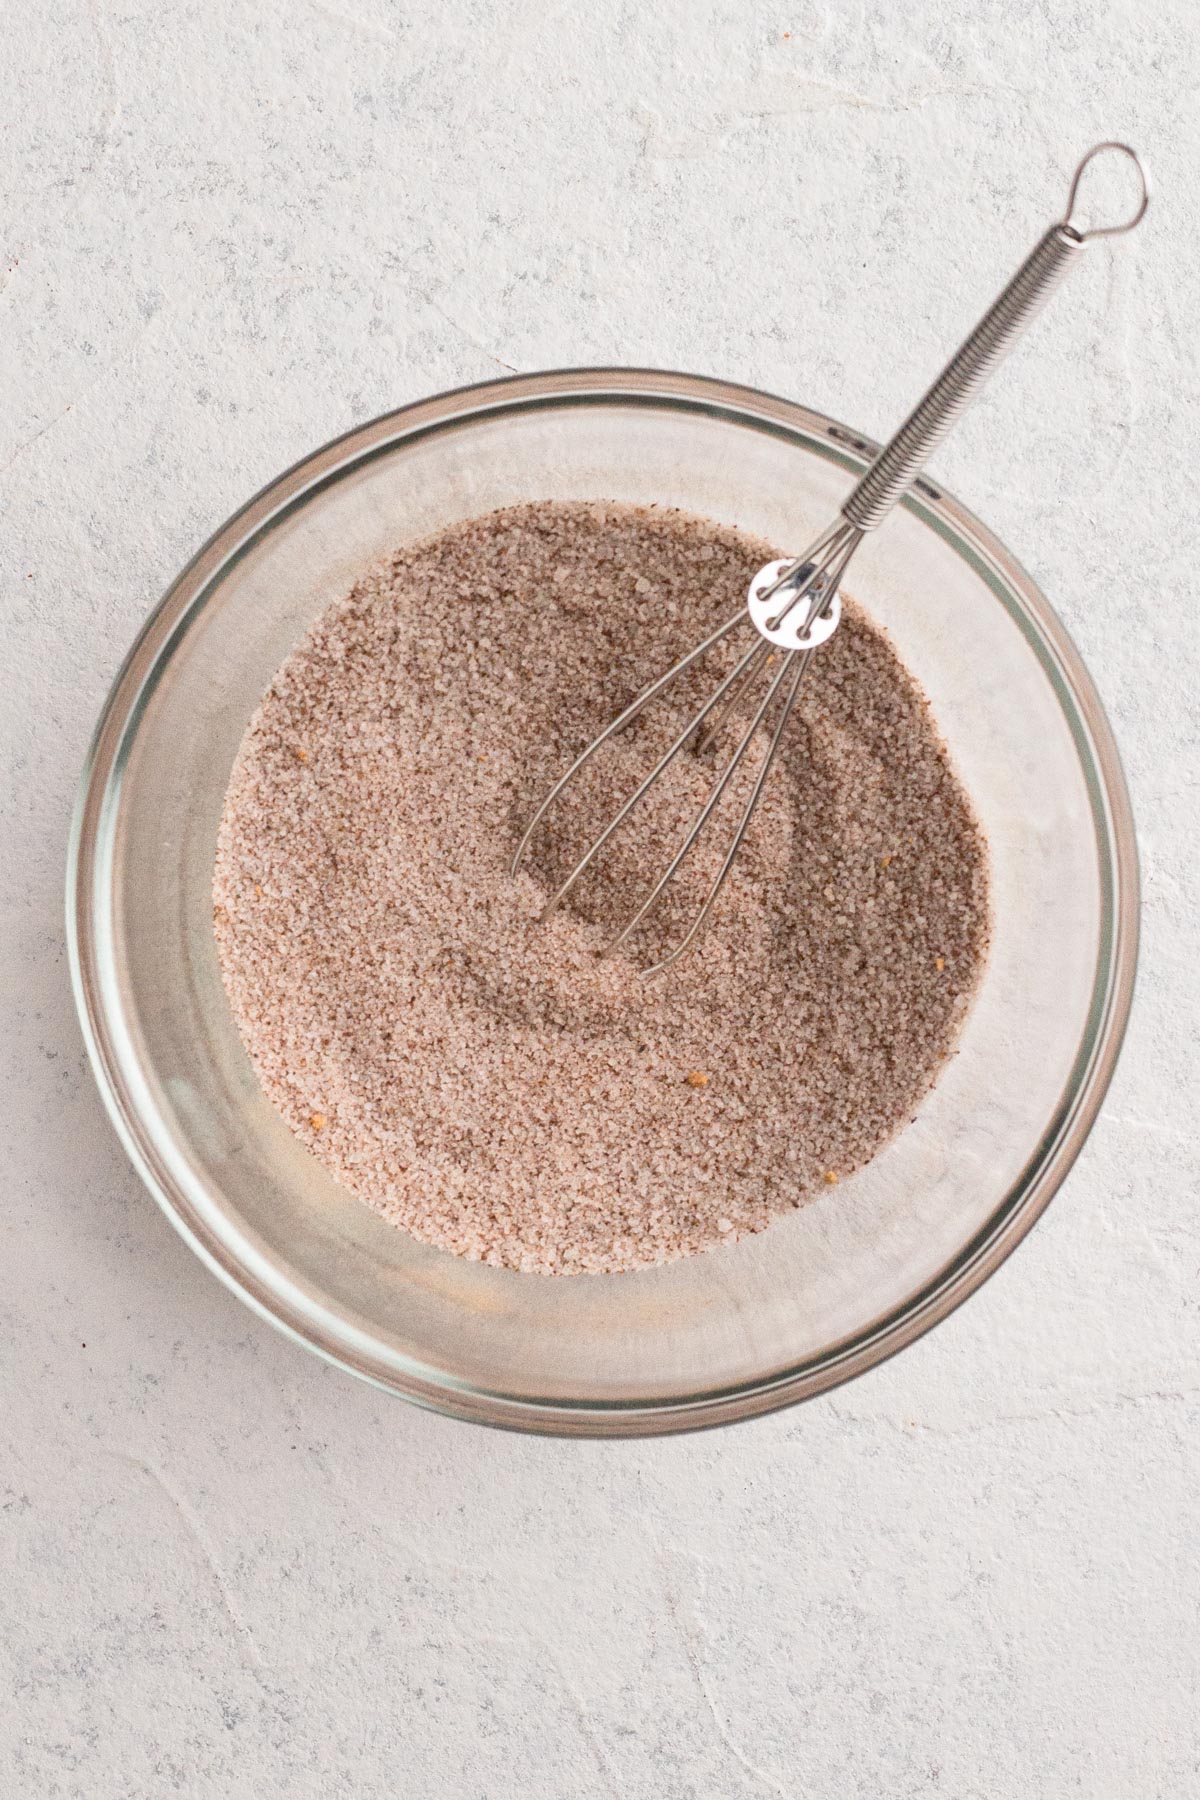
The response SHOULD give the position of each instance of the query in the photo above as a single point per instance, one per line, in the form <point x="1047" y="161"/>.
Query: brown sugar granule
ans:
<point x="492" y="1085"/>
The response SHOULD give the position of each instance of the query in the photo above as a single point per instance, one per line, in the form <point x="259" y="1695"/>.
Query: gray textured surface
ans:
<point x="232" y="231"/>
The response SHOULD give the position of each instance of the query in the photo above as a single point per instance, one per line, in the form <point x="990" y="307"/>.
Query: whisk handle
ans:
<point x="902" y="459"/>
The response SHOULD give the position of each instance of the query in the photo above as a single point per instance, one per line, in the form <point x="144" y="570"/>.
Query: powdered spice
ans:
<point x="487" y="1082"/>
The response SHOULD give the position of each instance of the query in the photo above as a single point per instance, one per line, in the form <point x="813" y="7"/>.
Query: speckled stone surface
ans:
<point x="230" y="232"/>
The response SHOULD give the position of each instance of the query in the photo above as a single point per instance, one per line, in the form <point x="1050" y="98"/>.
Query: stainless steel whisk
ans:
<point x="794" y="605"/>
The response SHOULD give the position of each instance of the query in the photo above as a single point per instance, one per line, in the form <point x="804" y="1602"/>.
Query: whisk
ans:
<point x="793" y="605"/>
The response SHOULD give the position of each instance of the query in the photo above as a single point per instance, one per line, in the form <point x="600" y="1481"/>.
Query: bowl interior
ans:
<point x="841" y="1281"/>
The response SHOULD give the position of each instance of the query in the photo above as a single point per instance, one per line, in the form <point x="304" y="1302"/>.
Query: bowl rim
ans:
<point x="299" y="1313"/>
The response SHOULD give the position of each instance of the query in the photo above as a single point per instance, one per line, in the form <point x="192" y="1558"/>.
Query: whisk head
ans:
<point x="792" y="607"/>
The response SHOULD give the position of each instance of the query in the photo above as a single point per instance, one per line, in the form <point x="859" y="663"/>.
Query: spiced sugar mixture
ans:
<point x="489" y="1083"/>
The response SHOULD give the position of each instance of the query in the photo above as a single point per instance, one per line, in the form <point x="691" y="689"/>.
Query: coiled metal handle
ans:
<point x="902" y="459"/>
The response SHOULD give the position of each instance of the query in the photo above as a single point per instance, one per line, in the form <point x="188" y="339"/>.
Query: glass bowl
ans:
<point x="825" y="1292"/>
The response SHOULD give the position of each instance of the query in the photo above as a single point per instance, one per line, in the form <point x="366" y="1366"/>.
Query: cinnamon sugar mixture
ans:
<point x="490" y="1084"/>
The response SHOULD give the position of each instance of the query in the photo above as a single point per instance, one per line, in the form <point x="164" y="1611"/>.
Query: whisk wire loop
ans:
<point x="706" y="810"/>
<point x="618" y="724"/>
<point x="801" y="659"/>
<point x="644" y="787"/>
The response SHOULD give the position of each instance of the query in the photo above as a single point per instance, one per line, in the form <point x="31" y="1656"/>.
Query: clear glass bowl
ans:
<point x="826" y="1292"/>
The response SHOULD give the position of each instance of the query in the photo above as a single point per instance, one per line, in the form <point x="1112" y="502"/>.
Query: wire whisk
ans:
<point x="794" y="606"/>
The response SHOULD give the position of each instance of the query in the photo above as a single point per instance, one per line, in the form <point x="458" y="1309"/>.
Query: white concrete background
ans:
<point x="231" y="230"/>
